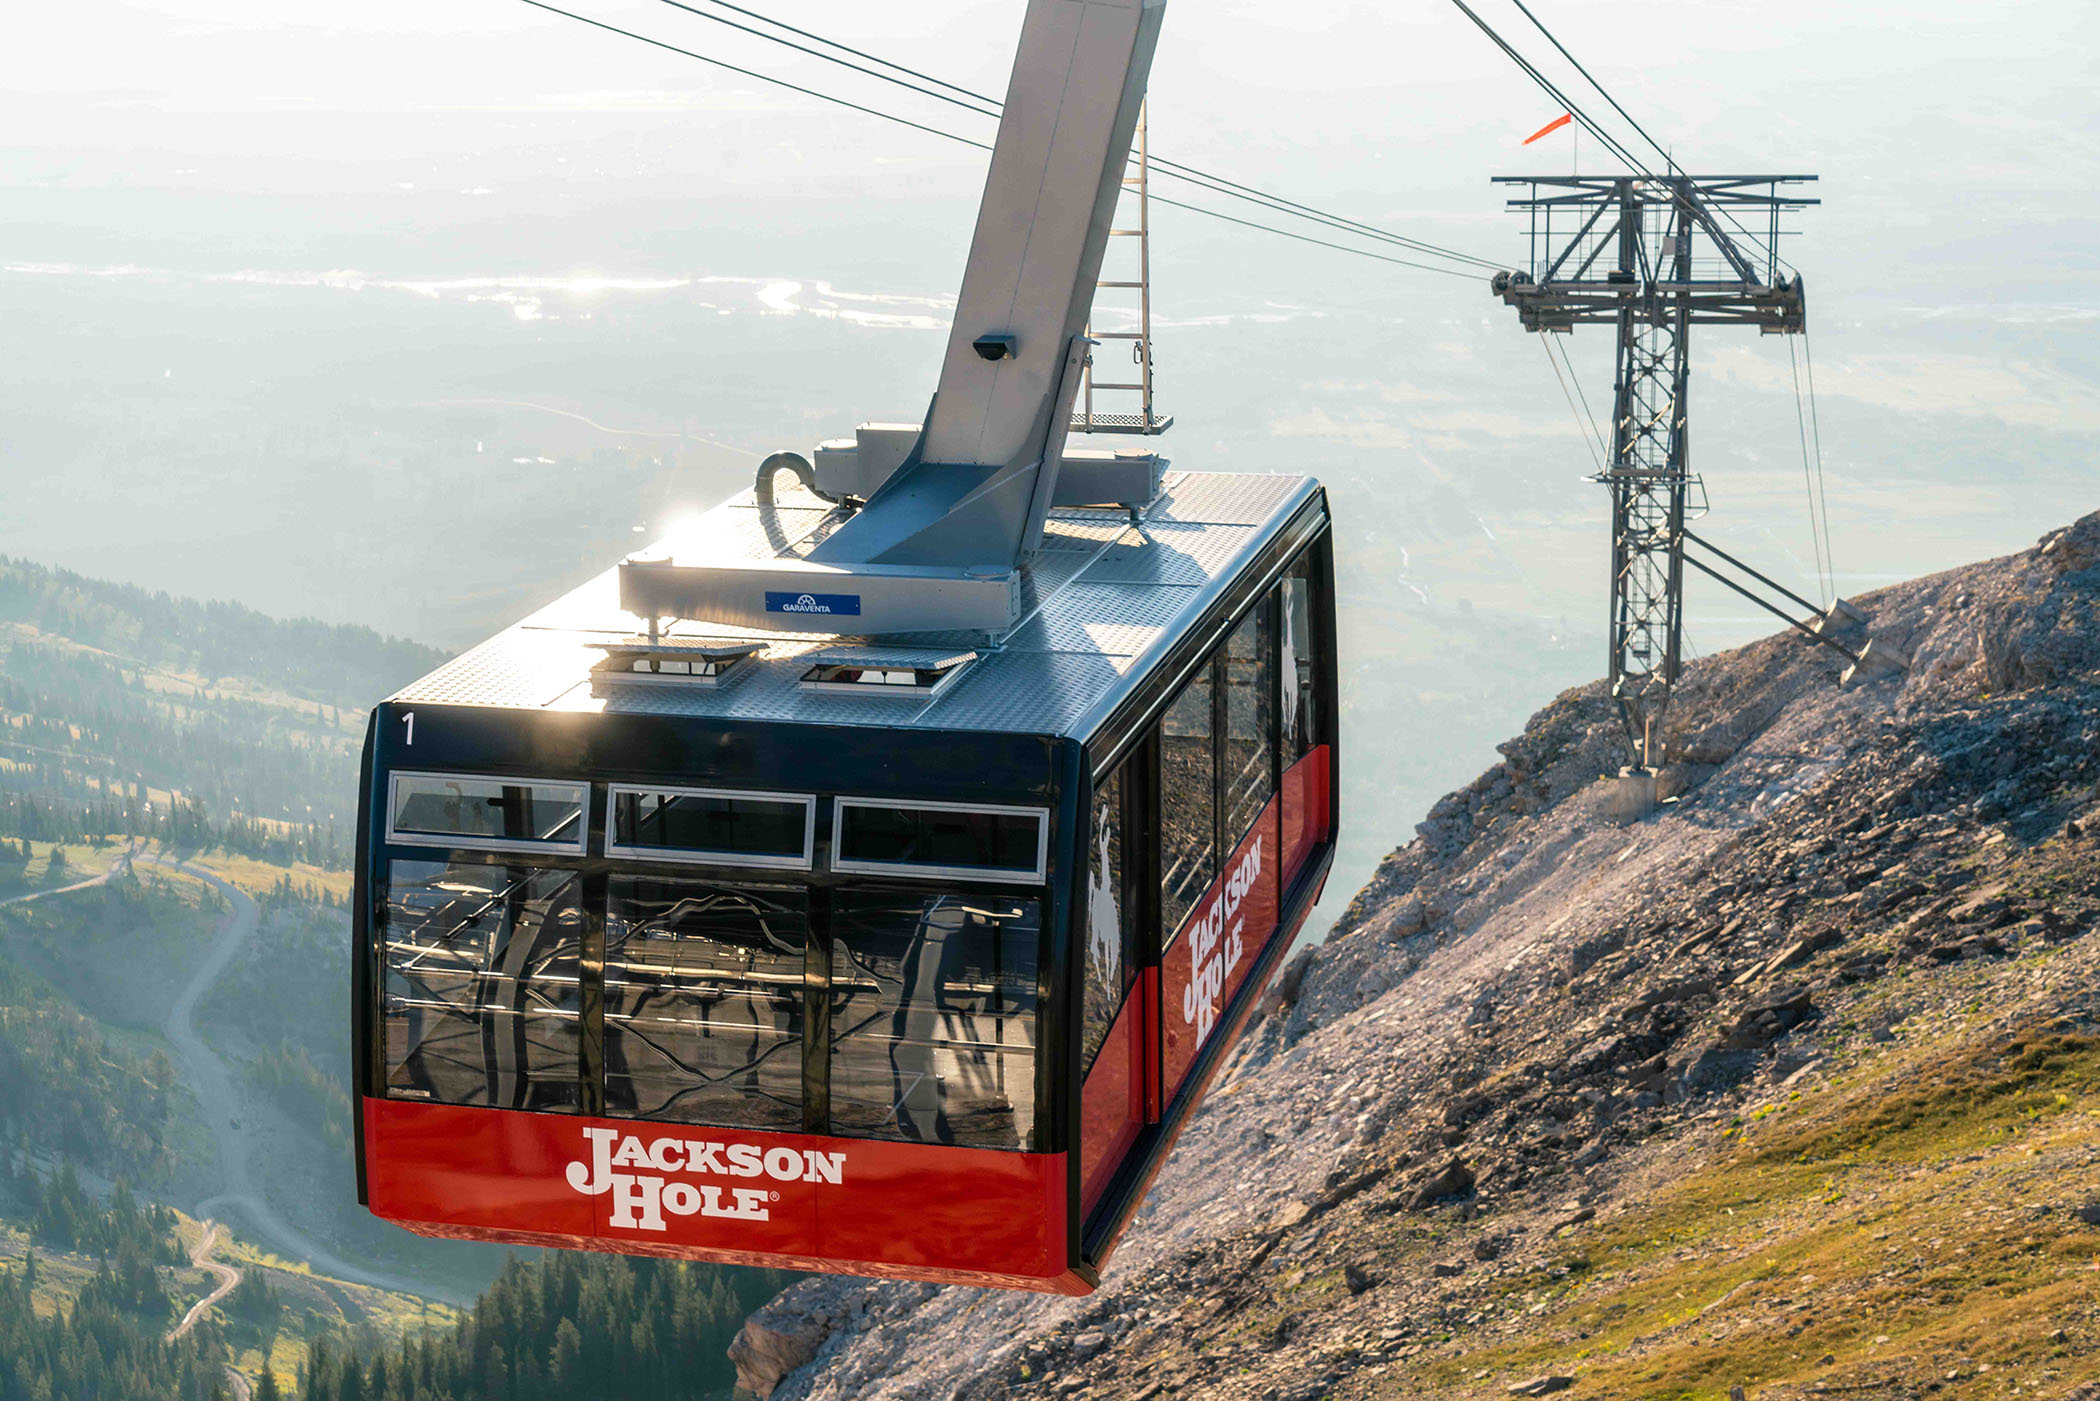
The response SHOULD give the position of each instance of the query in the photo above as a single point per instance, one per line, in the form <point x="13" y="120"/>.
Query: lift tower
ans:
<point x="1650" y="254"/>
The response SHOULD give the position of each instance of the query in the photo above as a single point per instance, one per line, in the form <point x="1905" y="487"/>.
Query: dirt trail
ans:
<point x="211" y="1081"/>
<point x="121" y="863"/>
<point x="228" y="1277"/>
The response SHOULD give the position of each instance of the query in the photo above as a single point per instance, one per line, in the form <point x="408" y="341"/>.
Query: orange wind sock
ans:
<point x="1549" y="128"/>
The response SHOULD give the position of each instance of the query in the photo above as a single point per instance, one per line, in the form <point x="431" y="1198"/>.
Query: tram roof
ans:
<point x="1101" y="602"/>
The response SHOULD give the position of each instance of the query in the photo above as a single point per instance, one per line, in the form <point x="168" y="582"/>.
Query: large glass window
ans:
<point x="736" y="829"/>
<point x="1250" y="723"/>
<point x="933" y="1017"/>
<point x="703" y="1001"/>
<point x="457" y="810"/>
<point x="1301" y="719"/>
<point x="902" y="838"/>
<point x="480" y="997"/>
<point x="1188" y="797"/>
<point x="1110" y="965"/>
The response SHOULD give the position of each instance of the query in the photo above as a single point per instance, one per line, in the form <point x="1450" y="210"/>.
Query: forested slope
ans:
<point x="126" y="714"/>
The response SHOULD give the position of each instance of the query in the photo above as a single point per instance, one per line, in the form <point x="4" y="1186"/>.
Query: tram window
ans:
<point x="1188" y="795"/>
<point x="1301" y="720"/>
<point x="933" y="1017"/>
<point x="480" y="1000"/>
<point x="462" y="811"/>
<point x="1250" y="720"/>
<point x="941" y="839"/>
<point x="1110" y="965"/>
<point x="703" y="1002"/>
<point x="740" y="829"/>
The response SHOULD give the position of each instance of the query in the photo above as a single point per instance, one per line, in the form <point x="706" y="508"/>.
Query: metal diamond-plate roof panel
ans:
<point x="515" y="670"/>
<point x="590" y="607"/>
<point x="1082" y="533"/>
<point x="1038" y="693"/>
<point x="1047" y="573"/>
<point x="1225" y="498"/>
<point x="1114" y="618"/>
<point x="1100" y="597"/>
<point x="1170" y="553"/>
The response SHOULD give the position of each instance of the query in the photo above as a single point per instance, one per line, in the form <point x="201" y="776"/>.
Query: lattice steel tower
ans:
<point x="1650" y="255"/>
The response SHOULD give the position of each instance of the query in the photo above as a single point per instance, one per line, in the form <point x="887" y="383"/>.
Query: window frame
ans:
<point x="1039" y="1015"/>
<point x="689" y="856"/>
<point x="580" y="847"/>
<point x="1211" y="670"/>
<point x="580" y="1018"/>
<point x="995" y="875"/>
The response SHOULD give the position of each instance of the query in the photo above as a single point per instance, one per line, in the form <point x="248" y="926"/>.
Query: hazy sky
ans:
<point x="1938" y="99"/>
<point x="256" y="256"/>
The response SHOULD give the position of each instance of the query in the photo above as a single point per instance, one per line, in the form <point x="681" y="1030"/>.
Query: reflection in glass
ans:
<point x="1188" y="798"/>
<point x="941" y="838"/>
<point x="703" y="1002"/>
<point x="487" y="809"/>
<point x="1299" y="720"/>
<point x="480" y="996"/>
<point x="933" y="1017"/>
<point x="1109" y="967"/>
<point x="737" y="827"/>
<point x="1250" y="723"/>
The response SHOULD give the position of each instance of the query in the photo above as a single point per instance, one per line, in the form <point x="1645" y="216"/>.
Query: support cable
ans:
<point x="1775" y="610"/>
<point x="1587" y="430"/>
<point x="823" y="96"/>
<point x="1771" y="583"/>
<point x="1602" y="443"/>
<point x="1808" y="480"/>
<point x="1815" y="425"/>
<point x="979" y="104"/>
<point x="1669" y="161"/>
<point x="1567" y="103"/>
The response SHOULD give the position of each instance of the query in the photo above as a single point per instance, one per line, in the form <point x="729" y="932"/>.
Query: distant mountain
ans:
<point x="124" y="713"/>
<point x="1787" y="1085"/>
<point x="334" y="664"/>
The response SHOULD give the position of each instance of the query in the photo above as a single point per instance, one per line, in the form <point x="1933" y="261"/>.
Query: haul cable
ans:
<point x="991" y="107"/>
<point x="823" y="96"/>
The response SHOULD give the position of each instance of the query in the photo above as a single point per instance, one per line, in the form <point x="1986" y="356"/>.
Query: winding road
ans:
<point x="90" y="883"/>
<point x="229" y="1278"/>
<point x="211" y="1081"/>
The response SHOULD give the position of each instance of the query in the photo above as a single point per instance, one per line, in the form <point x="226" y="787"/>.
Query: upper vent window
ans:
<point x="678" y="661"/>
<point x="897" y="672"/>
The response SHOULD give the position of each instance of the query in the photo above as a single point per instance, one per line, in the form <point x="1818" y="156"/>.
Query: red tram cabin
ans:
<point x="902" y="961"/>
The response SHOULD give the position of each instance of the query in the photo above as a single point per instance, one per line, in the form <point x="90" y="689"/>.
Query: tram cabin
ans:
<point x="788" y="949"/>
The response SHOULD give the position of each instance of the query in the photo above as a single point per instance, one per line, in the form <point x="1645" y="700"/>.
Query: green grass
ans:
<point x="1896" y="1206"/>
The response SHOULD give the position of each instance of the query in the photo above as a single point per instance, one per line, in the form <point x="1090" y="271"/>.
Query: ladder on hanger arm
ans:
<point x="1145" y="421"/>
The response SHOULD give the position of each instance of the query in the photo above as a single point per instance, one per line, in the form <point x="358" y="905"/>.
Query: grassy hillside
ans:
<point x="127" y="714"/>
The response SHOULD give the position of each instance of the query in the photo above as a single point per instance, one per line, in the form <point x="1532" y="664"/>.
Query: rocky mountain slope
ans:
<point x="1792" y="1084"/>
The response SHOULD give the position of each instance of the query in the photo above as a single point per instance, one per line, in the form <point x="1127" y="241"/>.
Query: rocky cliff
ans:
<point x="1791" y="1084"/>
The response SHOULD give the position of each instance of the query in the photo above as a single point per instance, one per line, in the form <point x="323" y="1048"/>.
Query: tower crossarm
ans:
<point x="1653" y="256"/>
<point x="1731" y="271"/>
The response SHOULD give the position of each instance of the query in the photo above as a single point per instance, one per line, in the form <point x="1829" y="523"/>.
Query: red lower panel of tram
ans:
<point x="796" y="1201"/>
<point x="1306" y="810"/>
<point x="1114" y="1105"/>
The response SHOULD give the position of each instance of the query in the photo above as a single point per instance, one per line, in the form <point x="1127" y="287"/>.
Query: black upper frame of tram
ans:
<point x="603" y="881"/>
